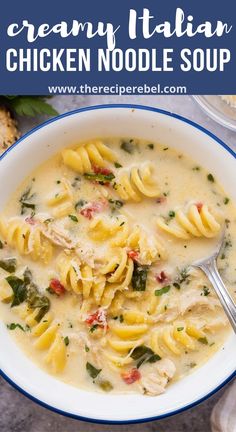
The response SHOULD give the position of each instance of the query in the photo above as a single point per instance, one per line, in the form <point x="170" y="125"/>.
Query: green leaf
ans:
<point x="19" y="290"/>
<point x="145" y="355"/>
<point x="203" y="340"/>
<point x="139" y="277"/>
<point x="92" y="371"/>
<point x="8" y="264"/>
<point x="163" y="290"/>
<point x="13" y="326"/>
<point x="66" y="341"/>
<point x="73" y="218"/>
<point x="100" y="178"/>
<point x="31" y="106"/>
<point x="36" y="300"/>
<point x="210" y="178"/>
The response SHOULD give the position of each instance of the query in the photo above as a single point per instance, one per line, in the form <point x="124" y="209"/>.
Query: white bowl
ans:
<point x="37" y="146"/>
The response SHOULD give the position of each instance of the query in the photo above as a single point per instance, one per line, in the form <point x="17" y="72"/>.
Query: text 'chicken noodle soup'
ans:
<point x="95" y="248"/>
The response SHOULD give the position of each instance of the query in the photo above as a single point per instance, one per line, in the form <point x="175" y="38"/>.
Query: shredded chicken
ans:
<point x="155" y="377"/>
<point x="192" y="298"/>
<point x="59" y="236"/>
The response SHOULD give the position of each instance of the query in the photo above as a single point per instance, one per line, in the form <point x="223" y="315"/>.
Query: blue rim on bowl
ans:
<point x="153" y="418"/>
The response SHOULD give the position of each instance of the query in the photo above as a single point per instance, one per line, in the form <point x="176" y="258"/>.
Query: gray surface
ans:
<point x="17" y="413"/>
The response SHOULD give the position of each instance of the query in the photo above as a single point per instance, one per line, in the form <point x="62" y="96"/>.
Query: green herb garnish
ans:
<point x="139" y="277"/>
<point x="163" y="290"/>
<point x="66" y="341"/>
<point x="203" y="340"/>
<point x="1" y="244"/>
<point x="93" y="328"/>
<point x="92" y="371"/>
<point x="73" y="218"/>
<point x="86" y="348"/>
<point x="180" y="328"/>
<point x="171" y="214"/>
<point x="25" y="201"/>
<point x="210" y="178"/>
<point x="226" y="200"/>
<point x="99" y="178"/>
<point x="206" y="291"/>
<point x="13" y="326"/>
<point x="151" y="146"/>
<point x="117" y="165"/>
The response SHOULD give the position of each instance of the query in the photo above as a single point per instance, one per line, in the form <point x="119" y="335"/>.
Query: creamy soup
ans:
<point x="96" y="284"/>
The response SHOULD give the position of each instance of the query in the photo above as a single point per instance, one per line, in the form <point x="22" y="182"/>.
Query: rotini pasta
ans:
<point x="27" y="239"/>
<point x="198" y="222"/>
<point x="62" y="202"/>
<point x="85" y="156"/>
<point x="137" y="183"/>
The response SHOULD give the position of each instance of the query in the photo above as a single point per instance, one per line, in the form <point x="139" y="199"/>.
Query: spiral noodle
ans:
<point x="80" y="278"/>
<point x="195" y="223"/>
<point x="137" y="183"/>
<point x="119" y="271"/>
<point x="125" y="337"/>
<point x="27" y="239"/>
<point x="175" y="338"/>
<point x="62" y="202"/>
<point x="47" y="334"/>
<point x="116" y="229"/>
<point x="86" y="156"/>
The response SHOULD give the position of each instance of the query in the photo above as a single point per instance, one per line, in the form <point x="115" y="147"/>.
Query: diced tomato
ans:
<point x="57" y="287"/>
<point x="104" y="171"/>
<point x="162" y="277"/>
<point x="161" y="200"/>
<point x="99" y="318"/>
<point x="31" y="221"/>
<point x="134" y="255"/>
<point x="94" y="207"/>
<point x="199" y="206"/>
<point x="131" y="376"/>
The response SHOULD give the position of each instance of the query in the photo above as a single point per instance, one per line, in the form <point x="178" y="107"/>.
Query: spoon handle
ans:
<point x="210" y="269"/>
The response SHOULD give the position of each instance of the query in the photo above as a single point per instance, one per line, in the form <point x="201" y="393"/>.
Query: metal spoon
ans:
<point x="209" y="267"/>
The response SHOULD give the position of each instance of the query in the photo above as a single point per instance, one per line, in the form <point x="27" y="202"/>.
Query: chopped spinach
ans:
<point x="92" y="370"/>
<point x="36" y="300"/>
<point x="1" y="244"/>
<point x="8" y="264"/>
<point x="86" y="348"/>
<point x="144" y="354"/>
<point x="139" y="277"/>
<point x="100" y="178"/>
<point x="163" y="290"/>
<point x="19" y="290"/>
<point x="150" y="146"/>
<point x="226" y="200"/>
<point x="26" y="201"/>
<point x="93" y="328"/>
<point x="28" y="278"/>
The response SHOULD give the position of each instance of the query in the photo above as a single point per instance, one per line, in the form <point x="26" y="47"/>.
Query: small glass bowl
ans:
<point x="218" y="110"/>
